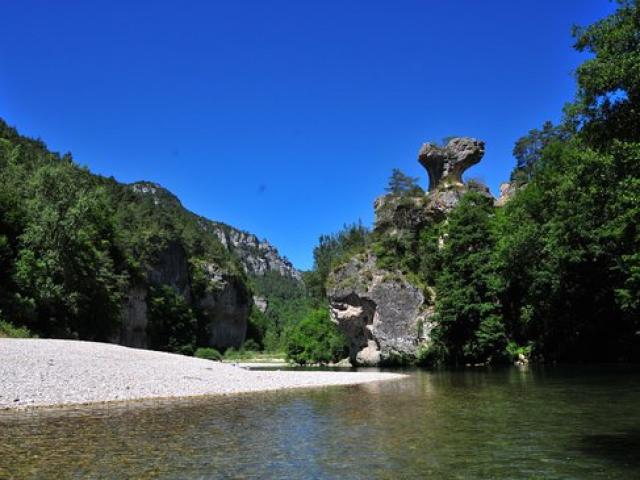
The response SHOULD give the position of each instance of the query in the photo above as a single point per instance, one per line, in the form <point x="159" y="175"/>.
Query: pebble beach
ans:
<point x="54" y="373"/>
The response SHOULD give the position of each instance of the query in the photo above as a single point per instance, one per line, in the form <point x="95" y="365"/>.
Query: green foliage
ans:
<point x="288" y="301"/>
<point x="315" y="339"/>
<point x="8" y="330"/>
<point x="432" y="354"/>
<point x="402" y="184"/>
<point x="514" y="351"/>
<point x="73" y="243"/>
<point x="251" y="345"/>
<point x="208" y="354"/>
<point x="430" y="252"/>
<point x="568" y="253"/>
<point x="332" y="250"/>
<point x="240" y="354"/>
<point x="469" y="324"/>
<point x="528" y="149"/>
<point x="606" y="104"/>
<point x="172" y="324"/>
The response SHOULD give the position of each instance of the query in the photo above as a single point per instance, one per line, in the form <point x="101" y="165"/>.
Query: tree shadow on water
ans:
<point x="621" y="447"/>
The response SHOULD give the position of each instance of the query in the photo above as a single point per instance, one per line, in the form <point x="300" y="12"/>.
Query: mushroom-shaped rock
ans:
<point x="448" y="163"/>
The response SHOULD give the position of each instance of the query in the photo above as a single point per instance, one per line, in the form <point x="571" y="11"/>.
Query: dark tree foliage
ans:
<point x="402" y="184"/>
<point x="315" y="339"/>
<point x="528" y="150"/>
<point x="334" y="249"/>
<point x="288" y="301"/>
<point x="470" y="327"/>
<point x="172" y="322"/>
<point x="606" y="104"/>
<point x="72" y="244"/>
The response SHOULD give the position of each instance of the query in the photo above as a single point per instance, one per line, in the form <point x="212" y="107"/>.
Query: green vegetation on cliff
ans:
<point x="73" y="245"/>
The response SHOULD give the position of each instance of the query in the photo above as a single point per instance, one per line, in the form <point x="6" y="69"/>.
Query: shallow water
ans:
<point x="548" y="423"/>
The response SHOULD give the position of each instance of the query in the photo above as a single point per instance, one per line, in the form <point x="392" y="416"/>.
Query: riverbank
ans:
<point x="47" y="373"/>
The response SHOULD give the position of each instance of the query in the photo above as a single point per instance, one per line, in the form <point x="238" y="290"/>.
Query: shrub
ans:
<point x="431" y="355"/>
<point x="8" y="330"/>
<point x="514" y="350"/>
<point x="208" y="354"/>
<point x="251" y="345"/>
<point x="315" y="339"/>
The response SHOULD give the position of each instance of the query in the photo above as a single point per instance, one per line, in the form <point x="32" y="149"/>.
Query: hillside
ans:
<point x="84" y="256"/>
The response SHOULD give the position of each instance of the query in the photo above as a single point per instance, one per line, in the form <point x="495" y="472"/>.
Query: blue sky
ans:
<point x="284" y="118"/>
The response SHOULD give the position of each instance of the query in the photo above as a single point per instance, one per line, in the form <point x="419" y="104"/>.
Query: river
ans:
<point x="540" y="422"/>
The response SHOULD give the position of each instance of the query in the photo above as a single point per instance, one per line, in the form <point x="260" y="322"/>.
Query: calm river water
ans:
<point x="547" y="423"/>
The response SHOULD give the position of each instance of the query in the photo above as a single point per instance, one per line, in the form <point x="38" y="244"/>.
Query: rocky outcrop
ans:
<point x="171" y="267"/>
<point x="257" y="256"/>
<point x="383" y="315"/>
<point x="507" y="192"/>
<point x="225" y="303"/>
<point x="133" y="329"/>
<point x="408" y="213"/>
<point x="226" y="306"/>
<point x="447" y="164"/>
<point x="398" y="213"/>
<point x="260" y="303"/>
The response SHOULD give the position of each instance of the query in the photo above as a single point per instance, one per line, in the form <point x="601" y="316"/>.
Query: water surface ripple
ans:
<point x="547" y="423"/>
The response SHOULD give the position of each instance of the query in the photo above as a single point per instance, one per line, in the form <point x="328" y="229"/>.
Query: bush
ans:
<point x="514" y="350"/>
<point x="172" y="323"/>
<point x="315" y="339"/>
<point x="208" y="354"/>
<point x="251" y="345"/>
<point x="8" y="330"/>
<point x="431" y="355"/>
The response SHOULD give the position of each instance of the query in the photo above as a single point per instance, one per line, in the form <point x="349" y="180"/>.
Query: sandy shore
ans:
<point x="43" y="372"/>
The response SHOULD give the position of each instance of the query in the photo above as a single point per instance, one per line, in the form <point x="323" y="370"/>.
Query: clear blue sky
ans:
<point x="284" y="118"/>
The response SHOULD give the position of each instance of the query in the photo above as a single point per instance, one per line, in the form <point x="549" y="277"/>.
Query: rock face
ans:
<point x="398" y="213"/>
<point x="171" y="268"/>
<point x="260" y="303"/>
<point x="384" y="316"/>
<point x="133" y="330"/>
<point x="448" y="163"/>
<point x="225" y="305"/>
<point x="507" y="192"/>
<point x="257" y="256"/>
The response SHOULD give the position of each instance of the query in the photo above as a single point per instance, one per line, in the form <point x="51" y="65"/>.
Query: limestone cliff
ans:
<point x="383" y="315"/>
<point x="222" y="298"/>
<point x="257" y="256"/>
<point x="225" y="302"/>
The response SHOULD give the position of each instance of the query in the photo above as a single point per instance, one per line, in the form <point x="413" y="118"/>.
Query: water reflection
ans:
<point x="505" y="423"/>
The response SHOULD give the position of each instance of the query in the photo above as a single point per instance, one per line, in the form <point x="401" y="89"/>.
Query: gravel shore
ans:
<point x="43" y="372"/>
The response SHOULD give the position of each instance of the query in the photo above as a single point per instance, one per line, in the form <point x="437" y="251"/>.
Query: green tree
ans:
<point x="607" y="104"/>
<point x="172" y="323"/>
<point x="402" y="184"/>
<point x="68" y="265"/>
<point x="315" y="339"/>
<point x="528" y="149"/>
<point x="470" y="328"/>
<point x="335" y="249"/>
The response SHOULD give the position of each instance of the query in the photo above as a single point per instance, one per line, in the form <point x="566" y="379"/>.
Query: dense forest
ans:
<point x="553" y="275"/>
